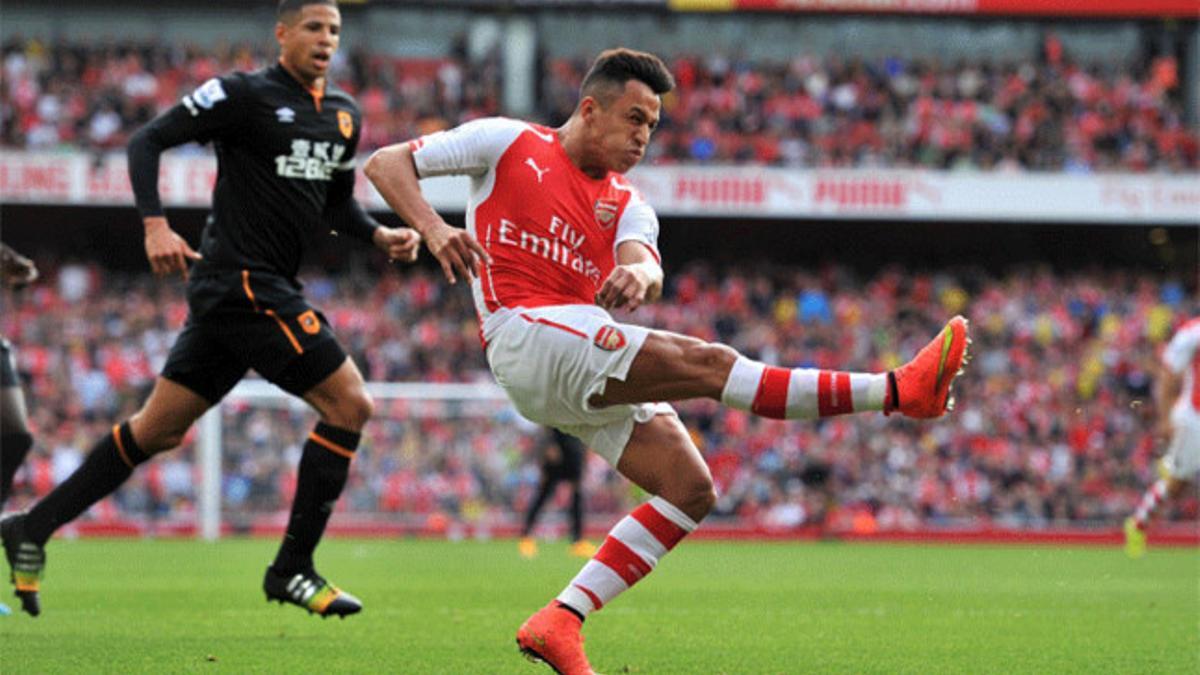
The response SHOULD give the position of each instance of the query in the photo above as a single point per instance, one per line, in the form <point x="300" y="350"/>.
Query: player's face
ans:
<point x="621" y="130"/>
<point x="308" y="42"/>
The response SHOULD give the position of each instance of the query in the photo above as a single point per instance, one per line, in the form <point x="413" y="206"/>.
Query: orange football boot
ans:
<point x="552" y="635"/>
<point x="583" y="549"/>
<point x="922" y="386"/>
<point x="527" y="547"/>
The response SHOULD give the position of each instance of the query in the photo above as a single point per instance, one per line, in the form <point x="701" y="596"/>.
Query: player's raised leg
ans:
<point x="345" y="406"/>
<point x="661" y="459"/>
<point x="673" y="367"/>
<point x="159" y="426"/>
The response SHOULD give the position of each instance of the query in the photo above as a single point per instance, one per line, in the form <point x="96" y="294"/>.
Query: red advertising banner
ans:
<point x="1178" y="9"/>
<point x="732" y="191"/>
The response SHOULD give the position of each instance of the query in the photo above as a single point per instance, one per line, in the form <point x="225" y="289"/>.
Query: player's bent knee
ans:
<point x="152" y="438"/>
<point x="353" y="411"/>
<point x="713" y="360"/>
<point x="160" y="442"/>
<point x="695" y="497"/>
<point x="704" y="499"/>
<point x="365" y="407"/>
<point x="170" y="442"/>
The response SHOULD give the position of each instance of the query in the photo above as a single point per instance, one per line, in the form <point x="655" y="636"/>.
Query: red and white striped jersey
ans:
<point x="1182" y="357"/>
<point x="551" y="230"/>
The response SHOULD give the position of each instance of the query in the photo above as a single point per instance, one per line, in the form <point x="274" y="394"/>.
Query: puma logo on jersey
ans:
<point x="537" y="169"/>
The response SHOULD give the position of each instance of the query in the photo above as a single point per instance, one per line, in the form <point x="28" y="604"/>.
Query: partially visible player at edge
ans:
<point x="16" y="271"/>
<point x="285" y="139"/>
<point x="555" y="237"/>
<point x="1177" y="395"/>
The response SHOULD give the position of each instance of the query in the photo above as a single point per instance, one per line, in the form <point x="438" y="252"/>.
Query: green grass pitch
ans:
<point x="440" y="607"/>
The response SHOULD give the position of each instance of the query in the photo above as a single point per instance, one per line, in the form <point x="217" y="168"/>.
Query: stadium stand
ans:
<point x="68" y="96"/>
<point x="833" y="180"/>
<point x="1052" y="428"/>
<point x="1042" y="113"/>
<point x="1045" y="112"/>
<point x="1053" y="425"/>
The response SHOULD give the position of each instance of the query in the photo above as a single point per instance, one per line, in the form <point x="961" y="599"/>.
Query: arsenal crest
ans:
<point x="345" y="123"/>
<point x="605" y="211"/>
<point x="610" y="339"/>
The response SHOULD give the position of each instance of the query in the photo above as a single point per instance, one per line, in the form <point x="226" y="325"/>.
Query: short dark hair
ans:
<point x="288" y="7"/>
<point x="614" y="67"/>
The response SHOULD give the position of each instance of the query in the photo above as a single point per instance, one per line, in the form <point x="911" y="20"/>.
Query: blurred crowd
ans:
<point x="1047" y="112"/>
<point x="93" y="97"/>
<point x="1054" y="422"/>
<point x="1050" y="114"/>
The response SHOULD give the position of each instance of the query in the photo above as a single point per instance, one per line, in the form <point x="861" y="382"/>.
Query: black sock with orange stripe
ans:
<point x="324" y="467"/>
<point x="109" y="464"/>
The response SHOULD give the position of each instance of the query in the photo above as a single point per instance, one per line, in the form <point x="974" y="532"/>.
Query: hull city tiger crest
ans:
<point x="309" y="322"/>
<point x="345" y="123"/>
<point x="610" y="339"/>
<point x="605" y="211"/>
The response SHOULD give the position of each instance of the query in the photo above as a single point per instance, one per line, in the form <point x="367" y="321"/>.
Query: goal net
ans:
<point x="450" y="459"/>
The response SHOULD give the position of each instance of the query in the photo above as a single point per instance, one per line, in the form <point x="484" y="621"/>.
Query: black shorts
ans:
<point x="8" y="366"/>
<point x="569" y="466"/>
<point x="247" y="320"/>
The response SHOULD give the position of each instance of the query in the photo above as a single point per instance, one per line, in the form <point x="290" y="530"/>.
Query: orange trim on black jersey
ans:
<point x="246" y="287"/>
<point x="270" y="312"/>
<point x="317" y="94"/>
<point x="286" y="331"/>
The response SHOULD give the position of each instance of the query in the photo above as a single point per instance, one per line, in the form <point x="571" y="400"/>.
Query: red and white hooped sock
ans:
<point x="628" y="554"/>
<point x="801" y="393"/>
<point x="1149" y="504"/>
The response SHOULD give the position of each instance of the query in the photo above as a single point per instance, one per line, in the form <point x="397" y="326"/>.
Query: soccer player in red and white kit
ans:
<point x="1179" y="381"/>
<point x="555" y="237"/>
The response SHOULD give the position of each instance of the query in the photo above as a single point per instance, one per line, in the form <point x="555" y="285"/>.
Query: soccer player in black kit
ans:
<point x="285" y="139"/>
<point x="562" y="461"/>
<point x="16" y="271"/>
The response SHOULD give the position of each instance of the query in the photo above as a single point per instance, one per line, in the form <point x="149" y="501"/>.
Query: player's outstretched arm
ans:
<point x="392" y="171"/>
<point x="636" y="280"/>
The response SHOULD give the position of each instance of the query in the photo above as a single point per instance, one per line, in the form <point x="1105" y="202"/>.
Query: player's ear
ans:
<point x="588" y="107"/>
<point x="280" y="32"/>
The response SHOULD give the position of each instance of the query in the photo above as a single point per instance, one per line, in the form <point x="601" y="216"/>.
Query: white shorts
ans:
<point x="1183" y="457"/>
<point x="551" y="360"/>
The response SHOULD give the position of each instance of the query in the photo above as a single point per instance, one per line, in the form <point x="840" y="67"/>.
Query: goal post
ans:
<point x="260" y="393"/>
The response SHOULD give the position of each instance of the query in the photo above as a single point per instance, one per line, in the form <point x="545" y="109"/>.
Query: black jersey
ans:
<point x="285" y="167"/>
